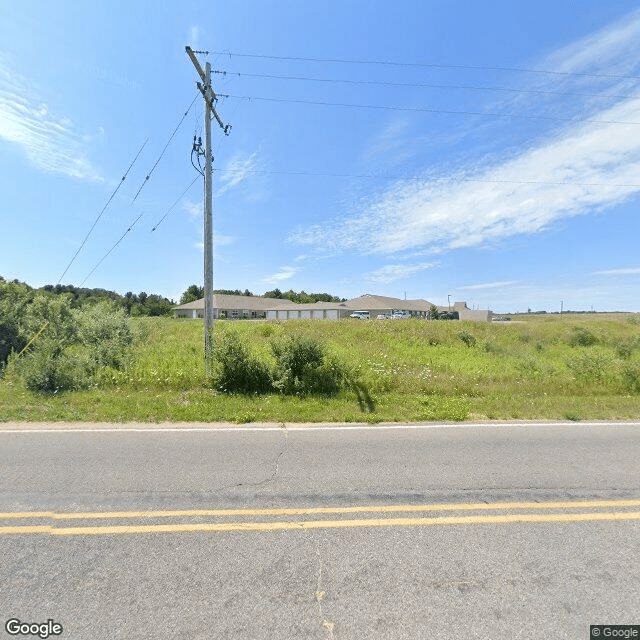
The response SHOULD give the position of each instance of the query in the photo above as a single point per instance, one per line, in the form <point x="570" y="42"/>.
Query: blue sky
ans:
<point x="489" y="152"/>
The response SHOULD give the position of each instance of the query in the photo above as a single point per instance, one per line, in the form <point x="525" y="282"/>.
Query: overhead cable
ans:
<point x="112" y="248"/>
<point x="124" y="177"/>
<point x="420" y="85"/>
<point x="322" y="103"/>
<point x="174" y="204"/>
<point x="427" y="65"/>
<point x="165" y="148"/>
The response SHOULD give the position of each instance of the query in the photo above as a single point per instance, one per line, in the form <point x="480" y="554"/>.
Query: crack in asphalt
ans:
<point x="276" y="467"/>
<point x="319" y="595"/>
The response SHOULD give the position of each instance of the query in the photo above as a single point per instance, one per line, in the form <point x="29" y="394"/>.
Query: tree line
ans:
<point x="134" y="304"/>
<point x="195" y="292"/>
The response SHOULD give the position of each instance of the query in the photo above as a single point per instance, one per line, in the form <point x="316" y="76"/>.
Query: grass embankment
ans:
<point x="569" y="367"/>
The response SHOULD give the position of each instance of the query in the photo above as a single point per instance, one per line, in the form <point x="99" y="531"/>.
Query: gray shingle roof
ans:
<point x="223" y="301"/>
<point x="369" y="302"/>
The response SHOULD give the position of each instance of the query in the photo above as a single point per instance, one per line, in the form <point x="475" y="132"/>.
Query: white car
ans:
<point x="400" y="315"/>
<point x="360" y="315"/>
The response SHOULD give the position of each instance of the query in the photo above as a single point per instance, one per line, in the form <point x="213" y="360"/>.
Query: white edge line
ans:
<point x="359" y="427"/>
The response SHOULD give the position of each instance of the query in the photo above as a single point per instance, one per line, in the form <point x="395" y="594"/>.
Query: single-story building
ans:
<point x="231" y="307"/>
<point x="310" y="311"/>
<point x="256" y="307"/>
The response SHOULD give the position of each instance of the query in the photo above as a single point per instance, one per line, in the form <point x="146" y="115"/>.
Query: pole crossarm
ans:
<point x="210" y="97"/>
<point x="196" y="64"/>
<point x="207" y="92"/>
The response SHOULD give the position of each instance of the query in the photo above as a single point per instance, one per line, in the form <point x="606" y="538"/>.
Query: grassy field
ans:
<point x="544" y="367"/>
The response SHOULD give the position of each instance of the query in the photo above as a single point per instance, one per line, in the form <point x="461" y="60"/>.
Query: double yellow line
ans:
<point x="526" y="512"/>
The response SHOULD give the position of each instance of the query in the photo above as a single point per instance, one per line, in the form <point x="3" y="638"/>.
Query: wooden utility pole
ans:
<point x="210" y="99"/>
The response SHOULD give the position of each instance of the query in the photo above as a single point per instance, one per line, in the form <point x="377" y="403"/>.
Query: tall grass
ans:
<point x="546" y="367"/>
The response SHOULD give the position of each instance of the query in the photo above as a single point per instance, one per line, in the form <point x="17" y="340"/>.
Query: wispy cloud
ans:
<point x="488" y="285"/>
<point x="238" y="169"/>
<point x="194" y="36"/>
<point x="624" y="271"/>
<point x="52" y="143"/>
<point x="285" y="273"/>
<point x="218" y="241"/>
<point x="393" y="145"/>
<point x="392" y="272"/>
<point x="585" y="165"/>
<point x="193" y="209"/>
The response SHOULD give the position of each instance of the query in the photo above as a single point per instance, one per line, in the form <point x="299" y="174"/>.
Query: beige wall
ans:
<point x="480" y="315"/>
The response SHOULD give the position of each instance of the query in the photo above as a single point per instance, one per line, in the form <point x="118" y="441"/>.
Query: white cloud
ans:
<point x="218" y="241"/>
<point x="625" y="271"/>
<point x="583" y="166"/>
<point x="223" y="241"/>
<point x="285" y="273"/>
<point x="237" y="170"/>
<point x="488" y="285"/>
<point x="194" y="36"/>
<point x="393" y="144"/>
<point x="392" y="272"/>
<point x="578" y="172"/>
<point x="193" y="209"/>
<point x="51" y="143"/>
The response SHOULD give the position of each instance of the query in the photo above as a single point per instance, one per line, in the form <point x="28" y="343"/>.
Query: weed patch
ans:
<point x="582" y="337"/>
<point x="631" y="377"/>
<point x="468" y="338"/>
<point x="592" y="367"/>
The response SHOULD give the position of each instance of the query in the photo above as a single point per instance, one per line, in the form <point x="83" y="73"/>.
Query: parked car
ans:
<point x="382" y="316"/>
<point x="360" y="315"/>
<point x="400" y="315"/>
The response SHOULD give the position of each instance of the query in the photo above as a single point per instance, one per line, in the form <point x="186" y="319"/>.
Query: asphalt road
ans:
<point x="458" y="531"/>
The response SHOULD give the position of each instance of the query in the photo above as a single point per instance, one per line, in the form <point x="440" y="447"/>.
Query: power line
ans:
<point x="122" y="237"/>
<point x="393" y="63"/>
<point x="174" y="204"/>
<point x="374" y="176"/>
<point x="164" y="150"/>
<point x="420" y="85"/>
<point x="124" y="177"/>
<point x="112" y="248"/>
<point x="427" y="110"/>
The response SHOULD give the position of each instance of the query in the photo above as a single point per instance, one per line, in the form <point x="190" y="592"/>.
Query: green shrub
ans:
<point x="267" y="330"/>
<point x="235" y="369"/>
<point x="581" y="337"/>
<point x="631" y="377"/>
<point x="625" y="348"/>
<point x="594" y="367"/>
<point x="302" y="367"/>
<point x="74" y="345"/>
<point x="468" y="338"/>
<point x="51" y="368"/>
<point x="106" y="332"/>
<point x="10" y="340"/>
